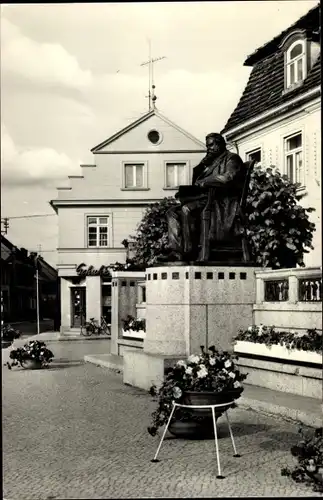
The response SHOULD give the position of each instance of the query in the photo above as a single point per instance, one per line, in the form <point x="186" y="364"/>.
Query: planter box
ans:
<point x="277" y="351"/>
<point x="134" y="334"/>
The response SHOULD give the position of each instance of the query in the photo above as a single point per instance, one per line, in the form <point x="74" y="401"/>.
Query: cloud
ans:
<point x="42" y="166"/>
<point x="45" y="63"/>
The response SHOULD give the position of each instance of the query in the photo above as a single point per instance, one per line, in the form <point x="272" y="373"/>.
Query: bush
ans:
<point x="309" y="455"/>
<point x="278" y="227"/>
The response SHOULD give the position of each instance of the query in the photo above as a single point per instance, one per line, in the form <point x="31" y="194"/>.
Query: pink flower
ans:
<point x="212" y="361"/>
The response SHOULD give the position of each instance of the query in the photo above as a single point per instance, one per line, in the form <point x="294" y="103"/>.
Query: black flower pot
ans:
<point x="201" y="398"/>
<point x="191" y="429"/>
<point x="31" y="364"/>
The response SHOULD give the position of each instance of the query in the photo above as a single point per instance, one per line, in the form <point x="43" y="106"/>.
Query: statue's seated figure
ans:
<point x="207" y="225"/>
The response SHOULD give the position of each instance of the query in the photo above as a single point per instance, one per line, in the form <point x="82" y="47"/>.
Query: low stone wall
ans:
<point x="283" y="376"/>
<point x="289" y="299"/>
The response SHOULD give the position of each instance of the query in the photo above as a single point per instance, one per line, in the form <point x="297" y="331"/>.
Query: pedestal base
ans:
<point x="142" y="369"/>
<point x="189" y="306"/>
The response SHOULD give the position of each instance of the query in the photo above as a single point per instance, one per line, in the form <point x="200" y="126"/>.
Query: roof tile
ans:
<point x="265" y="86"/>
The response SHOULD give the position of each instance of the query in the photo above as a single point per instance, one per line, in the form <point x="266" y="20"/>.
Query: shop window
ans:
<point x="106" y="302"/>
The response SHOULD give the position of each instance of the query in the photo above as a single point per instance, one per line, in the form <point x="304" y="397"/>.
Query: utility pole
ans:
<point x="150" y="63"/>
<point x="37" y="288"/>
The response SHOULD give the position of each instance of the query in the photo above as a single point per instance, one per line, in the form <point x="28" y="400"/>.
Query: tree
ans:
<point x="277" y="226"/>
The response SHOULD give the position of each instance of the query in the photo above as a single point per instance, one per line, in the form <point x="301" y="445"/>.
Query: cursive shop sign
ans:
<point x="84" y="270"/>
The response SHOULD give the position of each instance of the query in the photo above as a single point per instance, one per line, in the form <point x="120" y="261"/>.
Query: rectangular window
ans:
<point x="293" y="146"/>
<point x="176" y="174"/>
<point x="255" y="154"/>
<point x="134" y="175"/>
<point x="97" y="230"/>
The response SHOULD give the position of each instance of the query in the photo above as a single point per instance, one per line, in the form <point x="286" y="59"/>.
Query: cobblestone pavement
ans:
<point x="76" y="431"/>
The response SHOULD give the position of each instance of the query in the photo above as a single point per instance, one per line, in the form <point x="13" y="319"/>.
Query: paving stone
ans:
<point x="76" y="431"/>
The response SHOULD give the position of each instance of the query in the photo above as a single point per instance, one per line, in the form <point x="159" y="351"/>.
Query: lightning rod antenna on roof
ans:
<point x="151" y="90"/>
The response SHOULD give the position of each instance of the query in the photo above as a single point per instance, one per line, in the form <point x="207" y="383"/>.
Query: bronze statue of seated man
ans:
<point x="208" y="209"/>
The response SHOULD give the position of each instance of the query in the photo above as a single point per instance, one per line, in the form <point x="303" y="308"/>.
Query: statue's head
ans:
<point x="215" y="143"/>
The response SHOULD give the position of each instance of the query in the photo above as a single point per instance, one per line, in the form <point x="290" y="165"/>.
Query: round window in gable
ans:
<point x="154" y="136"/>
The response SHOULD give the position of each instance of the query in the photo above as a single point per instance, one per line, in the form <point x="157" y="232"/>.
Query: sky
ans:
<point x="71" y="77"/>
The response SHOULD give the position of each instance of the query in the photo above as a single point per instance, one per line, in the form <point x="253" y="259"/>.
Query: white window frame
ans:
<point x="293" y="62"/>
<point x="254" y="150"/>
<point x="134" y="164"/>
<point x="176" y="163"/>
<point x="98" y="225"/>
<point x="293" y="153"/>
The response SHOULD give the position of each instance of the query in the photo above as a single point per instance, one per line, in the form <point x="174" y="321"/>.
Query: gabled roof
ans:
<point x="310" y="21"/>
<point x="140" y="120"/>
<point x="264" y="90"/>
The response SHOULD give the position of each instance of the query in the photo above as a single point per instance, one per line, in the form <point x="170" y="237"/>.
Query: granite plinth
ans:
<point x="189" y="306"/>
<point x="142" y="369"/>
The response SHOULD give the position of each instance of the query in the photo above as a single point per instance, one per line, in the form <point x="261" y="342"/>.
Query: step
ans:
<point x="308" y="411"/>
<point x="111" y="361"/>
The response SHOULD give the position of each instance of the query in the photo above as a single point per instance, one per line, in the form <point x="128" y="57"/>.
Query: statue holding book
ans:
<point x="208" y="223"/>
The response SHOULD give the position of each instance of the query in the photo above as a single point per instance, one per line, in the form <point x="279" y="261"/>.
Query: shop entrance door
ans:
<point x="78" y="306"/>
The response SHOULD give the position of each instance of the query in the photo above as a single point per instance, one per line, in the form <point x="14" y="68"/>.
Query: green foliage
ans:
<point x="277" y="226"/>
<point x="309" y="455"/>
<point x="311" y="341"/>
<point x="151" y="239"/>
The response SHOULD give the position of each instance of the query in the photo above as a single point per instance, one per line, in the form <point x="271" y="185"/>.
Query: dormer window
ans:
<point x="295" y="63"/>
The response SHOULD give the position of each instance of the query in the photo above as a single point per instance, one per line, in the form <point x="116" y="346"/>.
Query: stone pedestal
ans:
<point x="189" y="306"/>
<point x="186" y="307"/>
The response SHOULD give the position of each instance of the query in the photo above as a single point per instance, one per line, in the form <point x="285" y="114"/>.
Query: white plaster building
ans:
<point x="137" y="166"/>
<point x="278" y="118"/>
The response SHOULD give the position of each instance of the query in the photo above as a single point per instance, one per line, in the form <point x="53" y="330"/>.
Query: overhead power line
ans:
<point x="33" y="215"/>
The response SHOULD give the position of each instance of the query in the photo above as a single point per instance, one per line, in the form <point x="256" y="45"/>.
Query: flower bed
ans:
<point x="277" y="351"/>
<point x="139" y="334"/>
<point x="266" y="341"/>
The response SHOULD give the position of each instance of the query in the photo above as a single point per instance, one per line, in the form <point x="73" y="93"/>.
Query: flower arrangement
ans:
<point x="9" y="333"/>
<point x="134" y="324"/>
<point x="309" y="454"/>
<point x="213" y="371"/>
<point x="312" y="340"/>
<point x="35" y="351"/>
